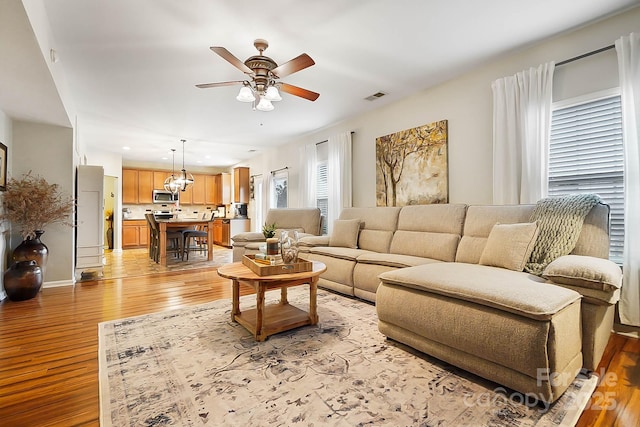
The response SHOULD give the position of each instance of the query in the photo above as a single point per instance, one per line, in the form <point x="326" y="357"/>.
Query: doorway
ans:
<point x="109" y="210"/>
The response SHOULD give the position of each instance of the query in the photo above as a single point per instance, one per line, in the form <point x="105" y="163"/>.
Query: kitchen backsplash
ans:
<point x="138" y="211"/>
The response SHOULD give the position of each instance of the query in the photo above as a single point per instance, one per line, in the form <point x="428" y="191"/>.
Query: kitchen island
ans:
<point x="165" y="225"/>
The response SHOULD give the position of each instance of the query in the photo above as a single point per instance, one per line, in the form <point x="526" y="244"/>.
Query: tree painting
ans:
<point x="412" y="166"/>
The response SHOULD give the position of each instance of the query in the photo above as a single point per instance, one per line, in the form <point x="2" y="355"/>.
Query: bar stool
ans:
<point x="199" y="238"/>
<point x="173" y="237"/>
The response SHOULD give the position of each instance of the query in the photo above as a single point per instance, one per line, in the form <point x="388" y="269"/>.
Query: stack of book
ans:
<point x="265" y="259"/>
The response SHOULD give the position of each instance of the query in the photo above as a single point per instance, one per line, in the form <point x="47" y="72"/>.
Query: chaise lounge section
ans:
<point x="434" y="290"/>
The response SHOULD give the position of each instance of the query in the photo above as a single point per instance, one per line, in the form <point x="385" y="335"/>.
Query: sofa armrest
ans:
<point x="585" y="272"/>
<point x="249" y="237"/>
<point x="313" y="241"/>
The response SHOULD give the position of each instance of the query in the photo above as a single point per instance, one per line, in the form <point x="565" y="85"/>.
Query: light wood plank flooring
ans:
<point x="48" y="348"/>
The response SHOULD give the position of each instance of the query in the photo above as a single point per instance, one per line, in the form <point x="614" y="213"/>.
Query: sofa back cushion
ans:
<point x="480" y="219"/>
<point x="594" y="237"/>
<point x="429" y="231"/>
<point x="305" y="220"/>
<point x="376" y="226"/>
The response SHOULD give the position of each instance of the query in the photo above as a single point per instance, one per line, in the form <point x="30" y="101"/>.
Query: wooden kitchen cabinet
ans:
<point x="138" y="186"/>
<point x="223" y="189"/>
<point x="198" y="190"/>
<point x="241" y="185"/>
<point x="186" y="196"/>
<point x="145" y="186"/>
<point x="135" y="233"/>
<point x="129" y="186"/>
<point x="210" y="190"/>
<point x="217" y="231"/>
<point x="158" y="179"/>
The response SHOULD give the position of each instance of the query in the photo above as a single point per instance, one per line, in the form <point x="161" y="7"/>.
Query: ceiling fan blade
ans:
<point x="298" y="91"/>
<point x="229" y="57"/>
<point x="206" y="85"/>
<point x="296" y="64"/>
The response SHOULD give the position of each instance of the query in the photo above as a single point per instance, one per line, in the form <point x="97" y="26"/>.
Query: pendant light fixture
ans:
<point x="185" y="179"/>
<point x="171" y="183"/>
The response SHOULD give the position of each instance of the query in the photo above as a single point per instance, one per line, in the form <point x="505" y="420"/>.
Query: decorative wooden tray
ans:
<point x="269" y="270"/>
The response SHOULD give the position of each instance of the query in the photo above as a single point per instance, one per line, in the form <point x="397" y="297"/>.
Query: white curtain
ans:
<point x="259" y="202"/>
<point x="339" y="176"/>
<point x="521" y="132"/>
<point x="308" y="165"/>
<point x="628" y="50"/>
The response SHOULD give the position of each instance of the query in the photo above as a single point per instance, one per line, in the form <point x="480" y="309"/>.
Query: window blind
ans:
<point x="322" y="192"/>
<point x="586" y="156"/>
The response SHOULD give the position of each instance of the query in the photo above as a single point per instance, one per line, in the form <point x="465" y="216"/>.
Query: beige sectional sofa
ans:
<point x="307" y="221"/>
<point x="423" y="267"/>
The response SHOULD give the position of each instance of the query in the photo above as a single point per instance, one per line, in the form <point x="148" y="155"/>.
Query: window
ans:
<point x="279" y="190"/>
<point x="322" y="192"/>
<point x="586" y="155"/>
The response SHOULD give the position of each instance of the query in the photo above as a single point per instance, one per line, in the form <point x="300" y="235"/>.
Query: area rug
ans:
<point x="194" y="367"/>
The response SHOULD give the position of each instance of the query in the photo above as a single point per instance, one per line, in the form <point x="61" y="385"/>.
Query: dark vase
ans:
<point x="110" y="236"/>
<point x="23" y="280"/>
<point x="32" y="249"/>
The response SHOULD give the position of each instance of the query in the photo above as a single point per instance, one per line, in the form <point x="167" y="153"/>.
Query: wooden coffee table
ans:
<point x="274" y="318"/>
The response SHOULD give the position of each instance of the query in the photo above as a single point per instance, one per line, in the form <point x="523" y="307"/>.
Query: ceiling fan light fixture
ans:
<point x="264" y="104"/>
<point x="272" y="94"/>
<point x="245" y="94"/>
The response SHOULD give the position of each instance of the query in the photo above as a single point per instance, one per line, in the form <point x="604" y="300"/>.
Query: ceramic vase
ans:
<point x="32" y="249"/>
<point x="23" y="280"/>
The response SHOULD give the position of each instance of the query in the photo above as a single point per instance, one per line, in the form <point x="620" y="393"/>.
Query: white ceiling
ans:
<point x="131" y="65"/>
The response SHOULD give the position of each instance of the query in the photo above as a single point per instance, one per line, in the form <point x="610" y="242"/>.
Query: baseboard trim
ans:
<point x="58" y="284"/>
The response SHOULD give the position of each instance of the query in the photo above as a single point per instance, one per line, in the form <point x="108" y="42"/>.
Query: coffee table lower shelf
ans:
<point x="276" y="318"/>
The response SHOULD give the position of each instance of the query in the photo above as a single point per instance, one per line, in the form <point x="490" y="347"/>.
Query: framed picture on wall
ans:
<point x="3" y="167"/>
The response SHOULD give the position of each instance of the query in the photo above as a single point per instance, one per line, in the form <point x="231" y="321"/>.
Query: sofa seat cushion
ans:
<point x="519" y="293"/>
<point x="393" y="260"/>
<point x="339" y="252"/>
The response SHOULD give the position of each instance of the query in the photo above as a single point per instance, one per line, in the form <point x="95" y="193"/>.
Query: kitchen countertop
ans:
<point x="188" y="219"/>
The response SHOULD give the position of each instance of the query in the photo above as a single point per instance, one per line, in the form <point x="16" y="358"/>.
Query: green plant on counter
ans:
<point x="269" y="230"/>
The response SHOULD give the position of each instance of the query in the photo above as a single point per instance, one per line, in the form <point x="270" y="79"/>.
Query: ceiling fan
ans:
<point x="264" y="73"/>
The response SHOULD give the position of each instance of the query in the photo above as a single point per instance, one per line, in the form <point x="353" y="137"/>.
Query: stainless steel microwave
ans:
<point x="165" y="197"/>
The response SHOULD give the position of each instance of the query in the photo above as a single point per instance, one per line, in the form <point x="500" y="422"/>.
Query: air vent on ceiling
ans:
<point x="375" y="96"/>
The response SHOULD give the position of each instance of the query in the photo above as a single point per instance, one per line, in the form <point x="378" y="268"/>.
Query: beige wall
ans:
<point x="47" y="150"/>
<point x="6" y="137"/>
<point x="466" y="102"/>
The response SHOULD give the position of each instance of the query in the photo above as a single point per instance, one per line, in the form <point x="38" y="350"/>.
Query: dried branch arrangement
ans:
<point x="31" y="203"/>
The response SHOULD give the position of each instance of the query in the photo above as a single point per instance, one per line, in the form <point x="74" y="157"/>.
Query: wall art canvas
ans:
<point x="412" y="166"/>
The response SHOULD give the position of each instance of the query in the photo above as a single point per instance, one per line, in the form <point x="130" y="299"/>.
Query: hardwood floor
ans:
<point x="48" y="349"/>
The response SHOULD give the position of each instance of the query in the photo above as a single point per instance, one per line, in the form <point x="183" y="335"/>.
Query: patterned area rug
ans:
<point x="194" y="367"/>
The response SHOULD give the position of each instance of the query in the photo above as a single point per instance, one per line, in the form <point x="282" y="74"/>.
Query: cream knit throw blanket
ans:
<point x="560" y="221"/>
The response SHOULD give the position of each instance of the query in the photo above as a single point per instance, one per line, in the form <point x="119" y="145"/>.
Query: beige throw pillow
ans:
<point x="585" y="272"/>
<point x="345" y="233"/>
<point x="510" y="245"/>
